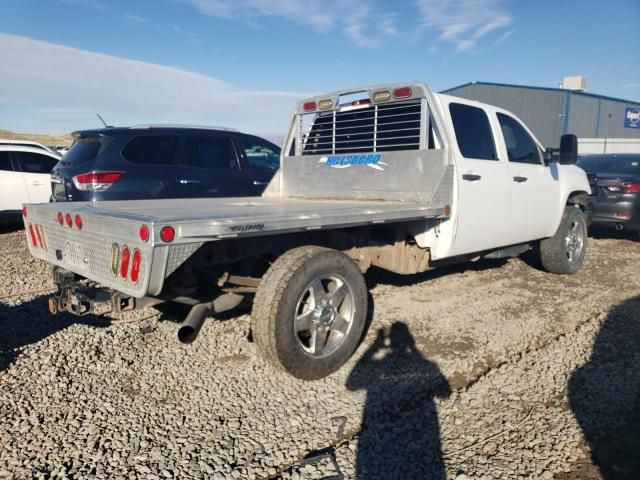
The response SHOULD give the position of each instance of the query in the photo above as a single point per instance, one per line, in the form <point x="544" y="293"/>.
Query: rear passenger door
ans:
<point x="260" y="161"/>
<point x="482" y="213"/>
<point x="210" y="167"/>
<point x="13" y="190"/>
<point x="152" y="169"/>
<point x="36" y="172"/>
<point x="534" y="188"/>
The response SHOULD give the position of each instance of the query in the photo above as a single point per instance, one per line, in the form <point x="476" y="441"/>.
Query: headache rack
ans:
<point x="365" y="127"/>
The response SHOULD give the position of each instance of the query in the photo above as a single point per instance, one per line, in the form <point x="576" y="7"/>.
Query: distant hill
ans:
<point x="48" y="140"/>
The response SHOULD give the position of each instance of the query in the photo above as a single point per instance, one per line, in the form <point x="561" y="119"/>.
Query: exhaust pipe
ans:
<point x="619" y="226"/>
<point x="191" y="326"/>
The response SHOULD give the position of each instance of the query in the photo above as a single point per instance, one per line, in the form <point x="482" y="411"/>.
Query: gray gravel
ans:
<point x="491" y="370"/>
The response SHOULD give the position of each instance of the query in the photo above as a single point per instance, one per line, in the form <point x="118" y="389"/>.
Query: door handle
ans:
<point x="519" y="179"/>
<point x="188" y="181"/>
<point x="257" y="182"/>
<point x="471" y="177"/>
<point x="37" y="184"/>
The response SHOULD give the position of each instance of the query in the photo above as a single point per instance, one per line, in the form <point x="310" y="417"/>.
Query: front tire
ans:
<point x="310" y="311"/>
<point x="564" y="252"/>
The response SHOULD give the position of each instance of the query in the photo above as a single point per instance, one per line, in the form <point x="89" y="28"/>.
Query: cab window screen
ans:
<point x="473" y="132"/>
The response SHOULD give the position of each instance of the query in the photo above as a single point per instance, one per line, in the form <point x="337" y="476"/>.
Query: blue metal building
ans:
<point x="552" y="112"/>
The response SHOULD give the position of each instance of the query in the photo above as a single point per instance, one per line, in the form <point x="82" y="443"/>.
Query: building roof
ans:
<point x="551" y="89"/>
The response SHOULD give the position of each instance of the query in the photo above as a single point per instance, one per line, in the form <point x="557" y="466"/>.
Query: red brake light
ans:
<point x="631" y="187"/>
<point x="37" y="229"/>
<point x="24" y="212"/>
<point x="68" y="220"/>
<point x="124" y="263"/>
<point x="33" y="236"/>
<point x="60" y="218"/>
<point x="96" y="181"/>
<point x="403" y="92"/>
<point x="363" y="101"/>
<point x="310" y="106"/>
<point x="167" y="234"/>
<point x="78" y="222"/>
<point x="144" y="233"/>
<point x="135" y="266"/>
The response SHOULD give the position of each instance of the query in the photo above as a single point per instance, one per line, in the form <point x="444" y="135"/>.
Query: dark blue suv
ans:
<point x="147" y="161"/>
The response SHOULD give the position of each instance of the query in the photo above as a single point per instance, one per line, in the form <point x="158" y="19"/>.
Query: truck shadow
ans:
<point x="604" y="394"/>
<point x="30" y="322"/>
<point x="400" y="434"/>
<point x="376" y="276"/>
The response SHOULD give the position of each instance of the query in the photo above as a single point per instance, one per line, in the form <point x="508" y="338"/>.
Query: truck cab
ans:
<point x="506" y="192"/>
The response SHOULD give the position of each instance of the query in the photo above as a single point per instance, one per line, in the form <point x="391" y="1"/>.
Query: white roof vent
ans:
<point x="578" y="83"/>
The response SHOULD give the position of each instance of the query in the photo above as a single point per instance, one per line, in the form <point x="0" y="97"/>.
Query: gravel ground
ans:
<point x="490" y="370"/>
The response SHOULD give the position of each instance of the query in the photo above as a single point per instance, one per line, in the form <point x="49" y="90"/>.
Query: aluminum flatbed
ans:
<point x="213" y="218"/>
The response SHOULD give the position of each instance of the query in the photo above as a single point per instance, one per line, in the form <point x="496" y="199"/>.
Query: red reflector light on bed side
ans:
<point x="144" y="233"/>
<point x="78" y="222"/>
<point x="136" y="259"/>
<point x="167" y="234"/>
<point x="68" y="220"/>
<point x="60" y="218"/>
<point x="96" y="181"/>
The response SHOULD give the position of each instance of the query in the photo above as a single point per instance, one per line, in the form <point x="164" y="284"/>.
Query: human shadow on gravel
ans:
<point x="604" y="394"/>
<point x="29" y="322"/>
<point x="400" y="435"/>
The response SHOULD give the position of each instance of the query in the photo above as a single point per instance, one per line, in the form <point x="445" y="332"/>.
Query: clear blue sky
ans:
<point x="244" y="63"/>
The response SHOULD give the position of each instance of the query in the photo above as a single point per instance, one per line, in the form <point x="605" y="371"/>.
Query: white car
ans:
<point x="27" y="143"/>
<point x="24" y="177"/>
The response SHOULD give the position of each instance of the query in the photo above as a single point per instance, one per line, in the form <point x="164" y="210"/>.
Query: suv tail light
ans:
<point x="631" y="187"/>
<point x="96" y="181"/>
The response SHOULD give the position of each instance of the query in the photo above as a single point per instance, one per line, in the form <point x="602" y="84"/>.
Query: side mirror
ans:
<point x="568" y="149"/>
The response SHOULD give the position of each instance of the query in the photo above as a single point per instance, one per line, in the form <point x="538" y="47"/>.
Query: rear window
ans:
<point x="152" y="150"/>
<point x="624" y="165"/>
<point x="473" y="132"/>
<point x="82" y="151"/>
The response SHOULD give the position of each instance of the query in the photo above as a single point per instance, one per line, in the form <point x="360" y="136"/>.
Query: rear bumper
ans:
<point x="626" y="214"/>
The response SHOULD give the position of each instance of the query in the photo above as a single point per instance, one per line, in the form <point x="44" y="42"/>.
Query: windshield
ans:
<point x="623" y="165"/>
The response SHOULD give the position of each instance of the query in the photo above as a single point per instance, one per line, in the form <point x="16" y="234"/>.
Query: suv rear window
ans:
<point x="152" y="150"/>
<point x="82" y="150"/>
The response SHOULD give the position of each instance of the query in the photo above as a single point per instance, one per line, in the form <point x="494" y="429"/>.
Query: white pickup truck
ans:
<point x="391" y="176"/>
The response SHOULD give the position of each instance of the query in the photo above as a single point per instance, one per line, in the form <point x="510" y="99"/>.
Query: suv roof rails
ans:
<point x="178" y="125"/>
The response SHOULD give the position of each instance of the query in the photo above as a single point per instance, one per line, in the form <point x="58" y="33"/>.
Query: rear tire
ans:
<point x="564" y="252"/>
<point x="310" y="311"/>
